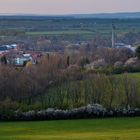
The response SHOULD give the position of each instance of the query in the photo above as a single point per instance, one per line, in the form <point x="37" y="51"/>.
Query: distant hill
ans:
<point x="100" y="16"/>
<point x="109" y="15"/>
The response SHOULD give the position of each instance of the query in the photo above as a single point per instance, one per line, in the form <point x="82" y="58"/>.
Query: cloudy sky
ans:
<point x="68" y="6"/>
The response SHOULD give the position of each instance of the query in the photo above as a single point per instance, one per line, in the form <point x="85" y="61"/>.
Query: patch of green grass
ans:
<point x="67" y="32"/>
<point x="135" y="76"/>
<point x="92" y="129"/>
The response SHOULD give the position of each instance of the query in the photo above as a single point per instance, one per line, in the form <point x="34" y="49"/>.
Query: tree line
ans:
<point x="57" y="83"/>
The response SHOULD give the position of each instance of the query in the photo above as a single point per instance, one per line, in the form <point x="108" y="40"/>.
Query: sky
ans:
<point x="56" y="7"/>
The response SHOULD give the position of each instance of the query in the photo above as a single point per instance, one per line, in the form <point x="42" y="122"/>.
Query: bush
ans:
<point x="89" y="111"/>
<point x="7" y="108"/>
<point x="116" y="70"/>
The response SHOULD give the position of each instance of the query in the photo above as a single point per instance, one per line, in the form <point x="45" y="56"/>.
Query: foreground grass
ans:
<point x="96" y="129"/>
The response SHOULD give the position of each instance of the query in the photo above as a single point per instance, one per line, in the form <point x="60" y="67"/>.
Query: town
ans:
<point x="18" y="56"/>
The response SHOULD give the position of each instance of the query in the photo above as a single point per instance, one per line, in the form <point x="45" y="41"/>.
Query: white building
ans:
<point x="122" y="45"/>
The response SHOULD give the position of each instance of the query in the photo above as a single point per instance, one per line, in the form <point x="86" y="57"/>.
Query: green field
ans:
<point x="75" y="32"/>
<point x="135" y="76"/>
<point x="92" y="129"/>
<point x="67" y="32"/>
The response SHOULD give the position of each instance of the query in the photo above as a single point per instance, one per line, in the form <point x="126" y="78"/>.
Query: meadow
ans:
<point x="90" y="129"/>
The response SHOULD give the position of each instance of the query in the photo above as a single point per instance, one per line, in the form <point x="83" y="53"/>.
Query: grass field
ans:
<point x="67" y="32"/>
<point x="93" y="129"/>
<point x="135" y="76"/>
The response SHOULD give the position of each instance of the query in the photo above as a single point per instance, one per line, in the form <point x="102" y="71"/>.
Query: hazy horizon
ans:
<point x="63" y="7"/>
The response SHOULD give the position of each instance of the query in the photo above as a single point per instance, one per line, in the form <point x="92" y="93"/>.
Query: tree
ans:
<point x="138" y="52"/>
<point x="3" y="60"/>
<point x="68" y="61"/>
<point x="83" y="61"/>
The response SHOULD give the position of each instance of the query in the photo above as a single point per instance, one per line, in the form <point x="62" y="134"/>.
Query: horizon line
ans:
<point x="67" y="14"/>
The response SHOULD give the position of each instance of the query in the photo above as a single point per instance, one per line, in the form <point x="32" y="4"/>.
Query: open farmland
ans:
<point x="87" y="28"/>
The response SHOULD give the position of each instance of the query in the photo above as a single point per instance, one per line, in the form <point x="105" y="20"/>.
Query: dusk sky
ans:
<point x="67" y="6"/>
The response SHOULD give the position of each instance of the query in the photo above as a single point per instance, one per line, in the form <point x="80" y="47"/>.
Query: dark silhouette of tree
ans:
<point x="68" y="61"/>
<point x="3" y="60"/>
<point x="138" y="52"/>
